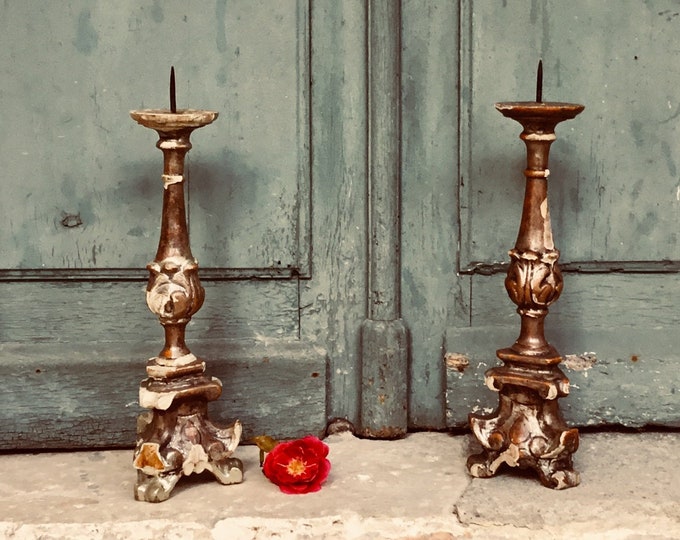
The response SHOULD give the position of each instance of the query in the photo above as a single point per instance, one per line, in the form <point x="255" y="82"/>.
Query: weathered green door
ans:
<point x="279" y="196"/>
<point x="614" y="195"/>
<point x="82" y="200"/>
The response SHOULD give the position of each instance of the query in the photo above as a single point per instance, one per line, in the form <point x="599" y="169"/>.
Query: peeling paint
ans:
<point x="156" y="400"/>
<point x="457" y="361"/>
<point x="174" y="362"/>
<point x="580" y="362"/>
<point x="169" y="179"/>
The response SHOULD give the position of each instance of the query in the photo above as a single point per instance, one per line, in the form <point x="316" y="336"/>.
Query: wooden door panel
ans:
<point x="81" y="208"/>
<point x="588" y="300"/>
<point x="82" y="186"/>
<point x="614" y="182"/>
<point x="116" y="311"/>
<point x="613" y="200"/>
<point x="250" y="209"/>
<point x="618" y="337"/>
<point x="56" y="395"/>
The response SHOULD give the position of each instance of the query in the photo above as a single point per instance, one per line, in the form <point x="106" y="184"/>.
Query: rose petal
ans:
<point x="309" y="450"/>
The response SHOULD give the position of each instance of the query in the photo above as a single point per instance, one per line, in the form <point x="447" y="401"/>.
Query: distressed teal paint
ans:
<point x="613" y="198"/>
<point x="156" y="11"/>
<point x="429" y="225"/>
<point x="220" y="23"/>
<point x="634" y="381"/>
<point x="384" y="336"/>
<point x="87" y="37"/>
<point x="87" y="63"/>
<point x="611" y="56"/>
<point x="333" y="303"/>
<point x="83" y="414"/>
<point x="284" y="180"/>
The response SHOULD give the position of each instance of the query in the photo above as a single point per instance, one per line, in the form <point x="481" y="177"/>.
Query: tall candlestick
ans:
<point x="173" y="99"/>
<point x="175" y="437"/>
<point x="527" y="429"/>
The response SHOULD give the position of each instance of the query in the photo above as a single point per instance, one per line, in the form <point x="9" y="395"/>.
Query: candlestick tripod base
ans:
<point x="527" y="429"/>
<point x="176" y="438"/>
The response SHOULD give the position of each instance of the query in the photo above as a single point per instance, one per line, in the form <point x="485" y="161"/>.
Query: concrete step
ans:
<point x="413" y="488"/>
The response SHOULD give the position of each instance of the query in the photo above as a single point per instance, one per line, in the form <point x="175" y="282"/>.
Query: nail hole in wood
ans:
<point x="71" y="220"/>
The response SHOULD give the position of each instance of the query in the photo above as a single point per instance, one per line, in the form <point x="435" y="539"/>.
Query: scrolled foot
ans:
<point x="155" y="488"/>
<point x="557" y="473"/>
<point x="228" y="471"/>
<point x="563" y="479"/>
<point x="479" y="465"/>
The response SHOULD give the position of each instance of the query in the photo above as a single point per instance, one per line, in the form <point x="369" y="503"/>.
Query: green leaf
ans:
<point x="265" y="442"/>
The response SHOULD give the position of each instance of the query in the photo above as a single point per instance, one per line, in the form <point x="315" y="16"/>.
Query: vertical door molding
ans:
<point x="433" y="294"/>
<point x="333" y="302"/>
<point x="383" y="342"/>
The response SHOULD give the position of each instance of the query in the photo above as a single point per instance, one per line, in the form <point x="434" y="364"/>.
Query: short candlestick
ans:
<point x="527" y="429"/>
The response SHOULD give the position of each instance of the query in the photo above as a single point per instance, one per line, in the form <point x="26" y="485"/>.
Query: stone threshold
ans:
<point x="413" y="488"/>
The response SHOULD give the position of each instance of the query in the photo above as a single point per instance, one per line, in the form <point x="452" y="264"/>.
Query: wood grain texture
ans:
<point x="81" y="190"/>
<point x="94" y="312"/>
<point x="250" y="203"/>
<point x="333" y="303"/>
<point x="384" y="343"/>
<point x="429" y="198"/>
<point x="82" y="181"/>
<point x="611" y="317"/>
<point x="384" y="159"/>
<point x="612" y="204"/>
<point x="83" y="397"/>
<point x="588" y="300"/>
<point x="634" y="381"/>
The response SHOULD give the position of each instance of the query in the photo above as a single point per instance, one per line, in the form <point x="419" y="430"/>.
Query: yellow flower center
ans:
<point x="296" y="467"/>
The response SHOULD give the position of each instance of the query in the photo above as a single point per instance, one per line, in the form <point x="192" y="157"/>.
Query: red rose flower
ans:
<point x="298" y="466"/>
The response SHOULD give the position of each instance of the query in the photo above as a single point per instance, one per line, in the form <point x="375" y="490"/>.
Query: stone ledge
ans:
<point x="414" y="488"/>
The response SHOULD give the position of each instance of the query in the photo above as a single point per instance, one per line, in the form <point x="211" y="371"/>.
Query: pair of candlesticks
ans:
<point x="527" y="430"/>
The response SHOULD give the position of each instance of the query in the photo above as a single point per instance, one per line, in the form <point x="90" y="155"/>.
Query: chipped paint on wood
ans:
<point x="333" y="303"/>
<point x="457" y="361"/>
<point x="614" y="390"/>
<point x="431" y="294"/>
<point x="248" y="186"/>
<point x="245" y="184"/>
<point x="169" y="179"/>
<point x="80" y="414"/>
<point x="580" y="362"/>
<point x="609" y="202"/>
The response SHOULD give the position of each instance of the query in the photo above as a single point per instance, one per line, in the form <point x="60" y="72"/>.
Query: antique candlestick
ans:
<point x="527" y="429"/>
<point x="175" y="437"/>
